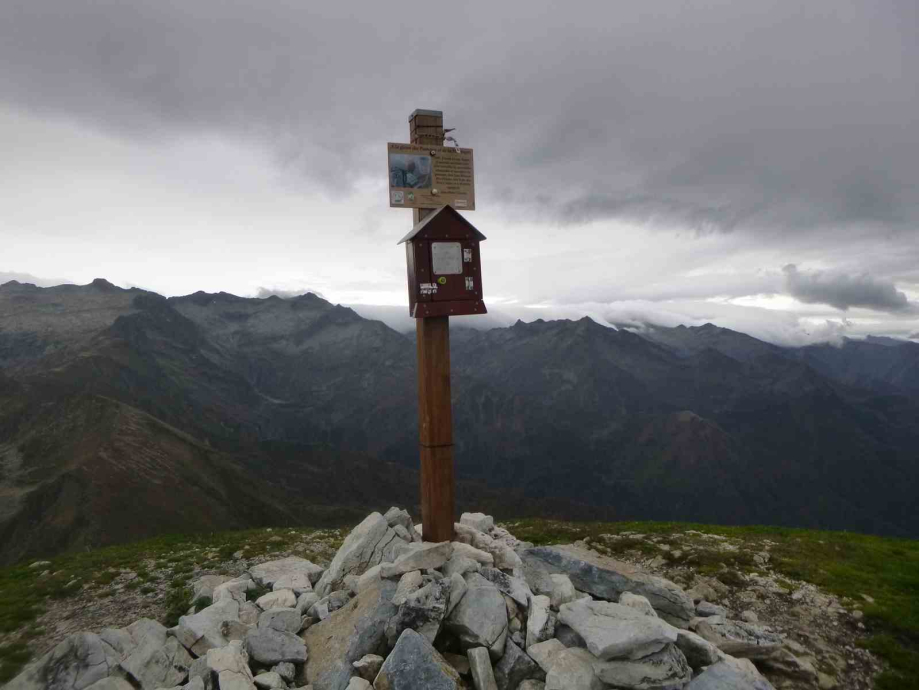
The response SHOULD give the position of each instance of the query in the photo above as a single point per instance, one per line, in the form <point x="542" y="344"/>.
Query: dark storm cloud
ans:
<point x="770" y="117"/>
<point x="842" y="291"/>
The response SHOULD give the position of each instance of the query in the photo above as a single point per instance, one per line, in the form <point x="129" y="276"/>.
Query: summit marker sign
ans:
<point x="430" y="176"/>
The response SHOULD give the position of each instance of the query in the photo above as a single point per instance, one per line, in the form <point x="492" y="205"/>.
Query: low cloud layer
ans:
<point x="844" y="292"/>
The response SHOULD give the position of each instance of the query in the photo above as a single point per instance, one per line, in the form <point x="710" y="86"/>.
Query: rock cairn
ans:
<point x="392" y="612"/>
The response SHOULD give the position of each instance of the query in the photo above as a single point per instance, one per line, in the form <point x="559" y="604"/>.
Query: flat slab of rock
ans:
<point x="278" y="599"/>
<point x="285" y="620"/>
<point x="356" y="629"/>
<point x="477" y="521"/>
<point x="514" y="587"/>
<point x="372" y="542"/>
<point x="293" y="573"/>
<point x="414" y="664"/>
<point x="269" y="647"/>
<point x="544" y="653"/>
<point x="483" y="675"/>
<point x="613" y="631"/>
<point x="730" y="674"/>
<point x="607" y="578"/>
<point x="664" y="669"/>
<point x="426" y="556"/>
<point x="231" y="664"/>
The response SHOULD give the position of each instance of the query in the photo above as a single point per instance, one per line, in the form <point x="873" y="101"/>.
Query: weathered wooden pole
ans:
<point x="435" y="414"/>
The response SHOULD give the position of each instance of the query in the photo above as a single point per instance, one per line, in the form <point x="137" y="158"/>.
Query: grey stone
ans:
<point x="368" y="666"/>
<point x="477" y="555"/>
<point x="515" y="588"/>
<point x="193" y="684"/>
<point x="613" y="631"/>
<point x="415" y="665"/>
<point x="569" y="637"/>
<point x="249" y="613"/>
<point x="606" y="578"/>
<point x="480" y="618"/>
<point x="233" y="589"/>
<point x="285" y="620"/>
<point x="269" y="647"/>
<point x="483" y="676"/>
<point x="698" y="651"/>
<point x="203" y="630"/>
<point x="730" y="674"/>
<point x="562" y="590"/>
<point x="457" y="591"/>
<point x="477" y="521"/>
<point x="112" y="683"/>
<point x="155" y="660"/>
<point x="514" y="667"/>
<point x="460" y="565"/>
<point x="397" y="516"/>
<point x="505" y="557"/>
<point x="357" y="629"/>
<point x="428" y="555"/>
<point x="370" y="543"/>
<point x="423" y="611"/>
<point x="199" y="670"/>
<point x="234" y="630"/>
<point x="705" y="609"/>
<point x="305" y="601"/>
<point x="358" y="683"/>
<point x="662" y="670"/>
<point x="286" y="670"/>
<point x="269" y="680"/>
<point x="278" y="599"/>
<point x="231" y="665"/>
<point x="409" y="582"/>
<point x="751" y="617"/>
<point x="637" y="602"/>
<point x="544" y="653"/>
<point x="369" y="578"/>
<point x="204" y="586"/>
<point x="403" y="533"/>
<point x="532" y="685"/>
<point x="569" y="671"/>
<point x="540" y="622"/>
<point x="293" y="573"/>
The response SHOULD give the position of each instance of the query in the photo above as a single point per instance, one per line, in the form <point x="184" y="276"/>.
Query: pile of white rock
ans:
<point x="392" y="612"/>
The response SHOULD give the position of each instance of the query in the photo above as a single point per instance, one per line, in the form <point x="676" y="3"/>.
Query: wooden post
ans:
<point x="435" y="414"/>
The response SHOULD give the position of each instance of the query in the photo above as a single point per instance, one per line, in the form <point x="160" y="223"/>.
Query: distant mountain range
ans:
<point x="125" y="414"/>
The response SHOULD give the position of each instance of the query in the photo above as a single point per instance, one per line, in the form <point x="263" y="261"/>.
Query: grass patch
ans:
<point x="25" y="595"/>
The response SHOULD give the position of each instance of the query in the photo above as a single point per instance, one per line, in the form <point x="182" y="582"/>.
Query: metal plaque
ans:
<point x="447" y="258"/>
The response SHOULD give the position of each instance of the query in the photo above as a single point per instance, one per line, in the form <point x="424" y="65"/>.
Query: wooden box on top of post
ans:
<point x="444" y="266"/>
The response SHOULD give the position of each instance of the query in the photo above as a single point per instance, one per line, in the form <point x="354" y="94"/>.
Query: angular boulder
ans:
<point x="483" y="675"/>
<point x="480" y="618"/>
<point x="372" y="542"/>
<point x="659" y="671"/>
<point x="231" y="666"/>
<point x="540" y="621"/>
<point x="414" y="664"/>
<point x="730" y="674"/>
<point x="637" y="602"/>
<point x="426" y="556"/>
<point x="515" y="667"/>
<point x="356" y="629"/>
<point x="73" y="664"/>
<point x="614" y="631"/>
<point x="514" y="587"/>
<point x="269" y="647"/>
<point x="423" y="611"/>
<point x="477" y="521"/>
<point x="155" y="660"/>
<point x="292" y="572"/>
<point x="570" y="671"/>
<point x="203" y="630"/>
<point x="285" y="620"/>
<point x="606" y="578"/>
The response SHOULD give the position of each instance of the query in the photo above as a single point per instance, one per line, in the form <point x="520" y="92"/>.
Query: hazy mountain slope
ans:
<point x="298" y="407"/>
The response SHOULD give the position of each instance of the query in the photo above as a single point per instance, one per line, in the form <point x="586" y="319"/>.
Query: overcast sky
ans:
<point x="751" y="164"/>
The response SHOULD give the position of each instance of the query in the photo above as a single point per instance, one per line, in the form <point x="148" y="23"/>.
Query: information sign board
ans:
<point x="430" y="176"/>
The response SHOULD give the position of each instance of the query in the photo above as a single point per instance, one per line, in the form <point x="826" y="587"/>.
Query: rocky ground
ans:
<point x="388" y="611"/>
